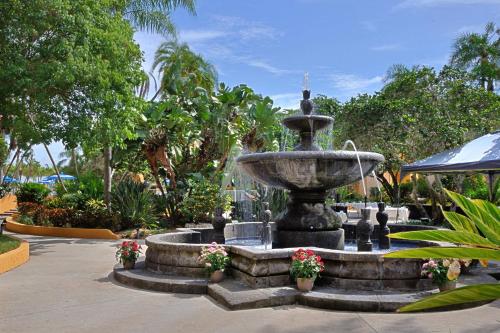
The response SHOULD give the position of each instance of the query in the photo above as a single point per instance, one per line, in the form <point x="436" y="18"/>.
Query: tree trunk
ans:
<point x="54" y="165"/>
<point x="414" y="196"/>
<point x="387" y="186"/>
<point x="75" y="161"/>
<point x="490" y="85"/>
<point x="107" y="154"/>
<point x="10" y="164"/>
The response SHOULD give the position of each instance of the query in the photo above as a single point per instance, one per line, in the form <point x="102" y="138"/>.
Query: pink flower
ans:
<point x="430" y="275"/>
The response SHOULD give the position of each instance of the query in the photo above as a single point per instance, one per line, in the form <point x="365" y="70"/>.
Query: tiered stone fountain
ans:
<point x="308" y="173"/>
<point x="259" y="276"/>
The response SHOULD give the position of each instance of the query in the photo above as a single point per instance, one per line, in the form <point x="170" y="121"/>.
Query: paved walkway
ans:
<point x="66" y="287"/>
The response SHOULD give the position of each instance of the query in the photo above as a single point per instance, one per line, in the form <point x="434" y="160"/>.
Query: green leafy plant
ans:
<point x="32" y="192"/>
<point x="306" y="264"/>
<point x="4" y="190"/>
<point x="134" y="203"/>
<point x="201" y="200"/>
<point x="477" y="236"/>
<point x="214" y="257"/>
<point x="25" y="219"/>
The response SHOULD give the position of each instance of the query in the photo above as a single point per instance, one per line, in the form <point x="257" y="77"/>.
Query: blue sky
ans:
<point x="345" y="46"/>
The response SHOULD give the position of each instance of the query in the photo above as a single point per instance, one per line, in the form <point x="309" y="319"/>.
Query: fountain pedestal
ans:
<point x="308" y="221"/>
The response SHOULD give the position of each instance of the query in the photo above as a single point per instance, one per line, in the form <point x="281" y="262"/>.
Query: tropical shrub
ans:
<point x="306" y="264"/>
<point x="201" y="200"/>
<point x="88" y="186"/>
<point x="475" y="187"/>
<point x="95" y="216"/>
<point x="28" y="208"/>
<point x="134" y="203"/>
<point x="32" y="192"/>
<point x="58" y="217"/>
<point x="477" y="236"/>
<point x="214" y="257"/>
<point x="4" y="190"/>
<point x="24" y="219"/>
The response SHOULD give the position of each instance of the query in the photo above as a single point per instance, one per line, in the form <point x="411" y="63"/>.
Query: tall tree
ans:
<point x="479" y="53"/>
<point x="72" y="67"/>
<point x="154" y="15"/>
<point x="416" y="114"/>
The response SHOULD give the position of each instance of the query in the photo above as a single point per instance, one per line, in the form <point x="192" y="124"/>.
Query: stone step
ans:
<point x="143" y="279"/>
<point x="350" y="300"/>
<point x="237" y="296"/>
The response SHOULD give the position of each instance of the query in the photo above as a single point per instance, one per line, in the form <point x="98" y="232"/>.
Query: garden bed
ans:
<point x="20" y="228"/>
<point x="13" y="253"/>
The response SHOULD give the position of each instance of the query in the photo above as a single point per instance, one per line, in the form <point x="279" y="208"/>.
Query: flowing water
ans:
<point x="349" y="142"/>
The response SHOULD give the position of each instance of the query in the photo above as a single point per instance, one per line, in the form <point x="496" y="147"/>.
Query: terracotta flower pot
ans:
<point x="217" y="276"/>
<point x="448" y="285"/>
<point x="128" y="264"/>
<point x="305" y="284"/>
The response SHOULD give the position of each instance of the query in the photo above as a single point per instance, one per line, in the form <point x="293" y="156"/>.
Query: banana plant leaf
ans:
<point x="451" y="236"/>
<point x="474" y="293"/>
<point x="459" y="221"/>
<point x="484" y="221"/>
<point x="446" y="252"/>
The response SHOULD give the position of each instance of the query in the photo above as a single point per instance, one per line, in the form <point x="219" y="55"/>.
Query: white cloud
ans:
<point x="434" y="3"/>
<point x="287" y="100"/>
<point x="355" y="84"/>
<point x="267" y="67"/>
<point x="194" y="36"/>
<point x="245" y="29"/>
<point x="386" y="47"/>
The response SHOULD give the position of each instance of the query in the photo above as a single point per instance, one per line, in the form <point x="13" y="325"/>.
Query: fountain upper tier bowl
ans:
<point x="308" y="170"/>
<point x="307" y="123"/>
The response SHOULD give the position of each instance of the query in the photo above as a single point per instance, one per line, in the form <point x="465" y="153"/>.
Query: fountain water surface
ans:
<point x="308" y="173"/>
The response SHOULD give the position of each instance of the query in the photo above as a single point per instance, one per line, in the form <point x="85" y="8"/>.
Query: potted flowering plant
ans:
<point x="216" y="260"/>
<point x="127" y="253"/>
<point x="444" y="272"/>
<point x="306" y="266"/>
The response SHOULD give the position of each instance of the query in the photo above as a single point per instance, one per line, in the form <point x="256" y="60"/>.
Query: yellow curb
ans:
<point x="14" y="258"/>
<point x="36" y="230"/>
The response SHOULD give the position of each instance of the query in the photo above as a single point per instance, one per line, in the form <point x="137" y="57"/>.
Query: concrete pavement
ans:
<point x="67" y="287"/>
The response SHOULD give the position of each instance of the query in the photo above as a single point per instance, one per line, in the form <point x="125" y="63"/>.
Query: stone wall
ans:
<point x="177" y="254"/>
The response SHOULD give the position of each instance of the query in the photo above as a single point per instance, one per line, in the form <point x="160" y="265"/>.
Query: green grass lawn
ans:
<point x="7" y="243"/>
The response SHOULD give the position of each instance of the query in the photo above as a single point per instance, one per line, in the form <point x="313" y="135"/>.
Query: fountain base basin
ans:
<point x="327" y="239"/>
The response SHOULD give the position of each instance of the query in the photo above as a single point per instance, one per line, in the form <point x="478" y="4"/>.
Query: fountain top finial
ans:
<point x="306" y="105"/>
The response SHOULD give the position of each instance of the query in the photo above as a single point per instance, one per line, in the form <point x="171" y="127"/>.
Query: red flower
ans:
<point x="124" y="244"/>
<point x="125" y="253"/>
<point x="135" y="246"/>
<point x="310" y="252"/>
<point x="318" y="259"/>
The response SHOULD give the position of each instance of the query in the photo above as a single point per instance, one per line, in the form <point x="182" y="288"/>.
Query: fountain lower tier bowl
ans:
<point x="308" y="171"/>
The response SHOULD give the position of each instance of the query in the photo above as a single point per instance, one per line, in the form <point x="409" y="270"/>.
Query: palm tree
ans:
<point x="179" y="67"/>
<point x="154" y="15"/>
<point x="479" y="53"/>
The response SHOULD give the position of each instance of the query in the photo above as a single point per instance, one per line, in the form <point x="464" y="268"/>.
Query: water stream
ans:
<point x="350" y="142"/>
